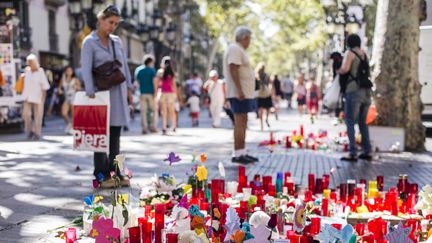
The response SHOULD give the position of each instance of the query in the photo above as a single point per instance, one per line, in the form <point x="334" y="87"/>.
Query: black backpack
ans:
<point x="363" y="74"/>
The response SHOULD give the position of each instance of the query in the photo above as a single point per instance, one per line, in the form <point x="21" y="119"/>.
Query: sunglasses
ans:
<point x="111" y="10"/>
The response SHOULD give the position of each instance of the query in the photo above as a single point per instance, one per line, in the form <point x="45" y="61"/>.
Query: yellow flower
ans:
<point x="203" y="157"/>
<point x="123" y="198"/>
<point x="187" y="189"/>
<point x="97" y="199"/>
<point x="94" y="233"/>
<point x="201" y="173"/>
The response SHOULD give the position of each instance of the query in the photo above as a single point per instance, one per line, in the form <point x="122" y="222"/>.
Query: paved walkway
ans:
<point x="40" y="189"/>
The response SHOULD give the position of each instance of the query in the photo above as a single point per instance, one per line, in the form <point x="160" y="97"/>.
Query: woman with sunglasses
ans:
<point x="98" y="49"/>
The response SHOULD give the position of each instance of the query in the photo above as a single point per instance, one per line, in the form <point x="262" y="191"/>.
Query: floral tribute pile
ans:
<point x="262" y="209"/>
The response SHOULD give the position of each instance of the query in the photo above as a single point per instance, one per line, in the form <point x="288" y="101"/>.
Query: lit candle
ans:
<point x="146" y="232"/>
<point x="267" y="180"/>
<point x="343" y="192"/>
<point x="290" y="185"/>
<point x="359" y="191"/>
<point x="272" y="190"/>
<point x="287" y="142"/>
<point x="287" y="176"/>
<point x="326" y="181"/>
<point x="301" y="130"/>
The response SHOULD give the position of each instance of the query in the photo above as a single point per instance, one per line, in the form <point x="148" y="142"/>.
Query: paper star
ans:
<point x="172" y="158"/>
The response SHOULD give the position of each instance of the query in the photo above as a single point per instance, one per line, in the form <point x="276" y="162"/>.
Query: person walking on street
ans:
<point x="240" y="81"/>
<point x="277" y="95"/>
<point x="215" y="87"/>
<point x="194" y="108"/>
<point x="34" y="94"/>
<point x="167" y="101"/>
<point x="69" y="85"/>
<point x="288" y="90"/>
<point x="194" y="84"/>
<point x="357" y="97"/>
<point x="301" y="94"/>
<point x="145" y="75"/>
<point x="313" y="98"/>
<point x="264" y="97"/>
<point x="98" y="48"/>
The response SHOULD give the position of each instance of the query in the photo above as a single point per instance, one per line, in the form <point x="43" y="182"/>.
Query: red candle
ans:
<point x="194" y="201"/>
<point x="159" y="221"/>
<point x="345" y="147"/>
<point x="359" y="196"/>
<point x="241" y="171"/>
<point x="343" y="192"/>
<point x="290" y="185"/>
<point x="300" y="144"/>
<point x="287" y="177"/>
<point x="287" y="142"/>
<point x="215" y="190"/>
<point x="171" y="238"/>
<point x="308" y="196"/>
<point x="147" y="210"/>
<point x="318" y="186"/>
<point x="70" y="235"/>
<point x="326" y="181"/>
<point x="324" y="207"/>
<point x="267" y="180"/>
<point x="311" y="182"/>
<point x="146" y="232"/>
<point x="142" y="220"/>
<point x="301" y="130"/>
<point x="413" y="188"/>
<point x="351" y="188"/>
<point x="333" y="196"/>
<point x="134" y="234"/>
<point x="380" y="183"/>
<point x="272" y="190"/>
<point x="315" y="226"/>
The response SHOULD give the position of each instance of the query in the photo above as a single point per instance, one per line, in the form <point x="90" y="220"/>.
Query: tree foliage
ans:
<point x="297" y="27"/>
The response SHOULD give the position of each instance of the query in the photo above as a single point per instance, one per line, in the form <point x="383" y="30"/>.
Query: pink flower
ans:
<point x="103" y="231"/>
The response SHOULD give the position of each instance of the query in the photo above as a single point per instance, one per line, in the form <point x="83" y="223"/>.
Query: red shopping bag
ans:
<point x="91" y="122"/>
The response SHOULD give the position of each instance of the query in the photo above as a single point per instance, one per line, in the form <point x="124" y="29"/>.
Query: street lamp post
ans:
<point x="337" y="14"/>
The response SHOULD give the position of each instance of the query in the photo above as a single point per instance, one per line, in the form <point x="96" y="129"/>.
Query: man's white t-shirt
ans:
<point x="194" y="103"/>
<point x="236" y="54"/>
<point x="34" y="84"/>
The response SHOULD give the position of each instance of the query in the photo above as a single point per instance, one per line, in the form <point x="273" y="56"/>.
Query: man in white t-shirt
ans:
<point x="34" y="93"/>
<point x="240" y="81"/>
<point x="215" y="87"/>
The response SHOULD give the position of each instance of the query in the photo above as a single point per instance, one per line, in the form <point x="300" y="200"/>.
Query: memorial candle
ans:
<point x="279" y="182"/>
<point x="324" y="207"/>
<point x="290" y="185"/>
<point x="359" y="192"/>
<point x="318" y="186"/>
<point x="70" y="235"/>
<point x="380" y="183"/>
<point x="351" y="188"/>
<point x="267" y="180"/>
<point x="287" y="142"/>
<point x="159" y="221"/>
<point x="287" y="176"/>
<point x="315" y="226"/>
<point x="146" y="232"/>
<point x="134" y="235"/>
<point x="271" y="190"/>
<point x="326" y="181"/>
<point x="301" y="130"/>
<point x="311" y="182"/>
<point x="343" y="192"/>
<point x="171" y="238"/>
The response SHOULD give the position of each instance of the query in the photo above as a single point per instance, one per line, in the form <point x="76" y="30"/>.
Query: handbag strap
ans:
<point x="114" y="52"/>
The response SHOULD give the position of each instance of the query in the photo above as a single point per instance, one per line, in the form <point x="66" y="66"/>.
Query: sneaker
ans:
<point x="241" y="160"/>
<point x="108" y="183"/>
<point x="255" y="159"/>
<point x="367" y="157"/>
<point x="350" y="158"/>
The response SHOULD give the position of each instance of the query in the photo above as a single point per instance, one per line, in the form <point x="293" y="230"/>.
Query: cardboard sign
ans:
<point x="91" y="122"/>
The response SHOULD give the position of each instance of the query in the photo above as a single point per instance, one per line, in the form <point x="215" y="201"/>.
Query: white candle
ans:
<point x="232" y="187"/>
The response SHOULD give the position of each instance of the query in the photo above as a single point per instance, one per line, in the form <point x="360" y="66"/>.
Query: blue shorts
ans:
<point x="243" y="106"/>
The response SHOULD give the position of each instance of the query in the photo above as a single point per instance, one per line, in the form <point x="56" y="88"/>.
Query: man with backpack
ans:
<point x="357" y="89"/>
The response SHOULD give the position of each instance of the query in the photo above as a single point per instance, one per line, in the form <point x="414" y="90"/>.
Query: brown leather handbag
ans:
<point x="108" y="74"/>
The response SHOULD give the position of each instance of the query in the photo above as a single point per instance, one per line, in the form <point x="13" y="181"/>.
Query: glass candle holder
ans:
<point x="318" y="186"/>
<point x="311" y="182"/>
<point x="171" y="238"/>
<point x="315" y="225"/>
<point x="326" y="181"/>
<point x="324" y="207"/>
<point x="134" y="234"/>
<point x="343" y="192"/>
<point x="380" y="183"/>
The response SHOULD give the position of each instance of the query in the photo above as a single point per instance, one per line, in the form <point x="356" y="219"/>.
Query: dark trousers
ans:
<point x="104" y="163"/>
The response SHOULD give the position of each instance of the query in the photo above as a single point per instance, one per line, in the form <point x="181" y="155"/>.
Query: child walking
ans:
<point x="194" y="108"/>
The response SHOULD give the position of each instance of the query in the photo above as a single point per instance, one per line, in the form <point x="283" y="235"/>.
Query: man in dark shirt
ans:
<point x="145" y="75"/>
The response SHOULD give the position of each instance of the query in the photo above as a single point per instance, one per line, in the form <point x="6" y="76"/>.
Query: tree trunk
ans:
<point x="212" y="55"/>
<point x="395" y="60"/>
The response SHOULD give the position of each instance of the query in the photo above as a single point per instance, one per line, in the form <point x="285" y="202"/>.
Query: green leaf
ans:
<point x="125" y="214"/>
